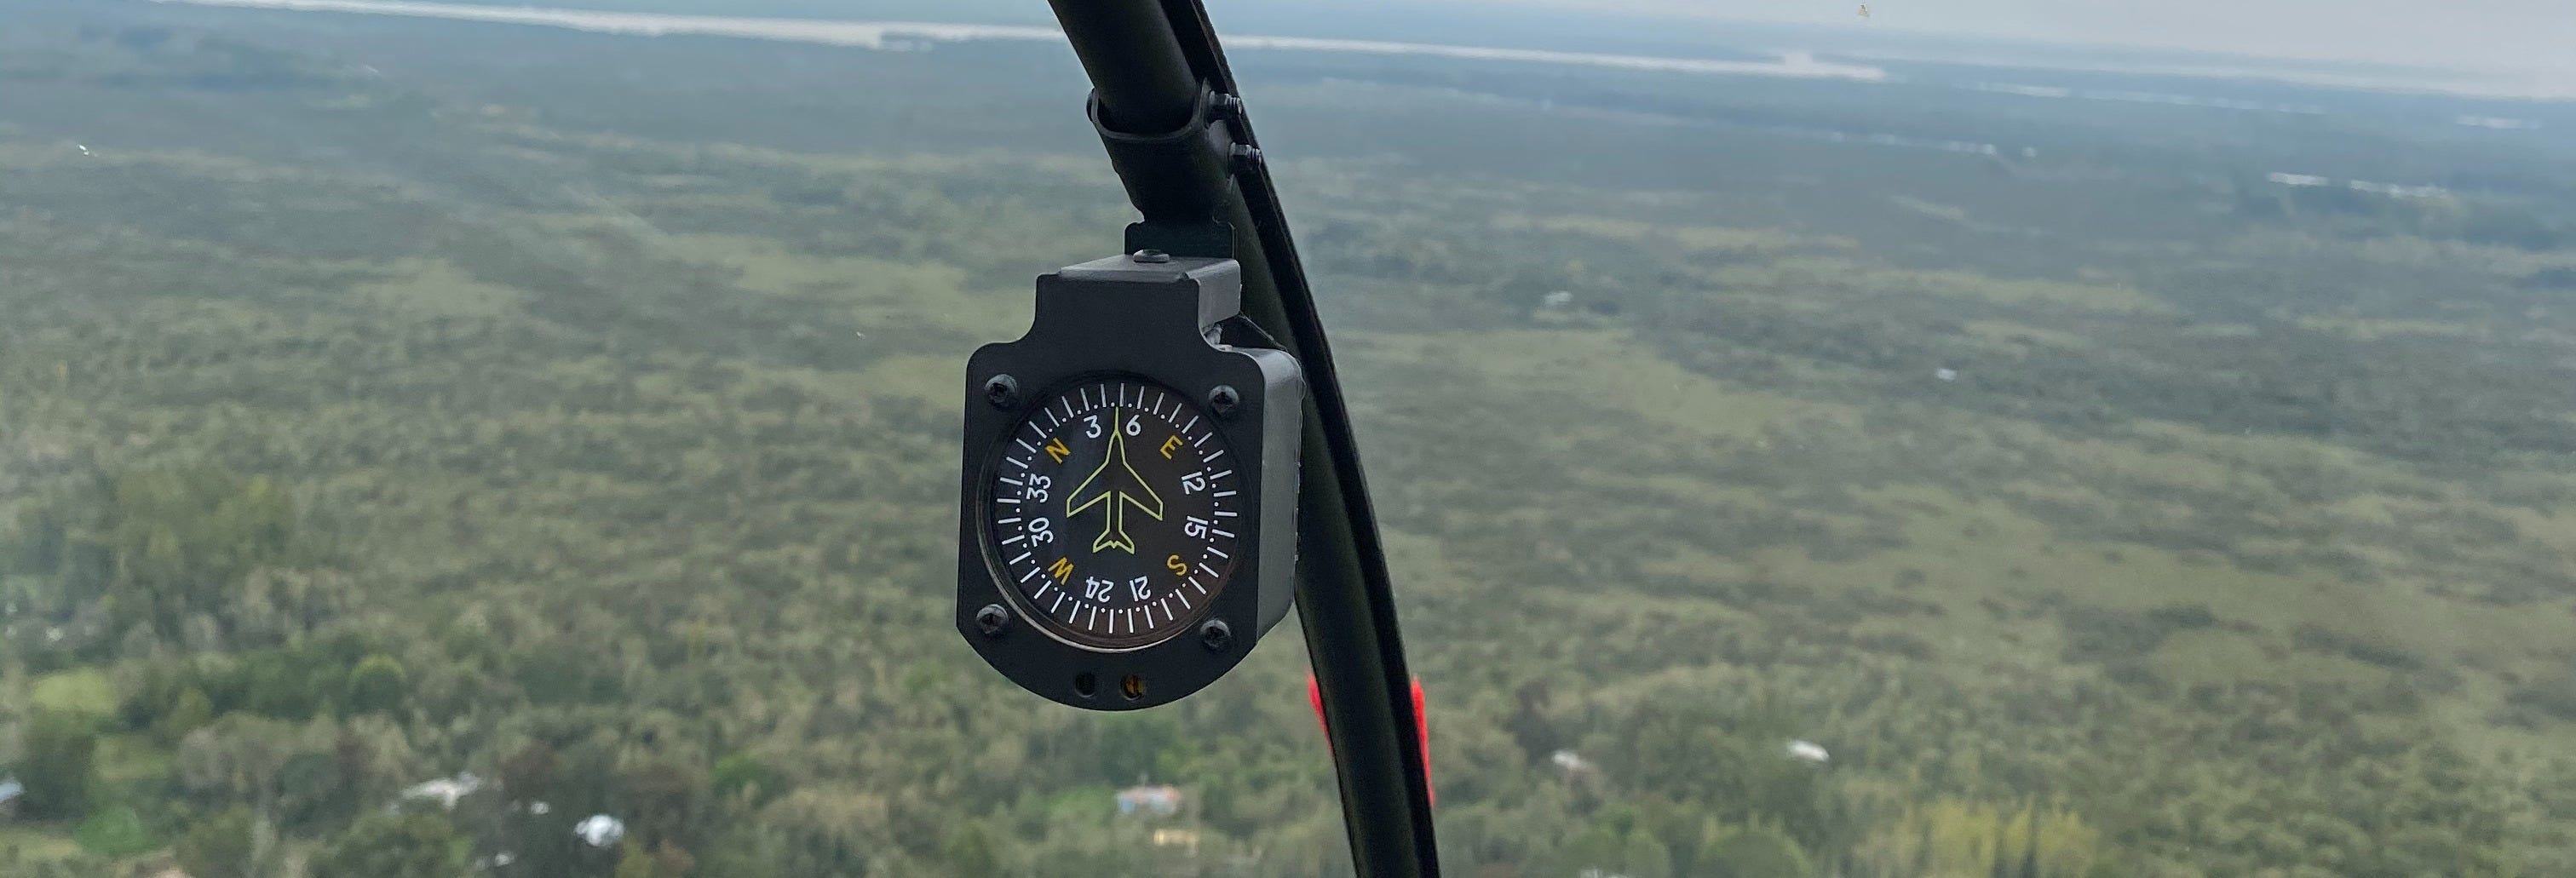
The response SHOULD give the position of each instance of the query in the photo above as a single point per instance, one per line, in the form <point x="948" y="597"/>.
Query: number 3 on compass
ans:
<point x="1130" y="487"/>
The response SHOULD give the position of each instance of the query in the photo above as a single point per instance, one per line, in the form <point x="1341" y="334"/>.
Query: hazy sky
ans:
<point x="2534" y="39"/>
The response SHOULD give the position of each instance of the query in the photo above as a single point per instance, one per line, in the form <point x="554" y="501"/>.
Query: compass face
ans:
<point x="1113" y="510"/>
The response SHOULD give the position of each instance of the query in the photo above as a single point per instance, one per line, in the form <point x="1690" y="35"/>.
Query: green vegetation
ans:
<point x="586" y="446"/>
<point x="398" y="846"/>
<point x="115" y="831"/>
<point x="220" y="845"/>
<point x="58" y="764"/>
<point x="79" y="692"/>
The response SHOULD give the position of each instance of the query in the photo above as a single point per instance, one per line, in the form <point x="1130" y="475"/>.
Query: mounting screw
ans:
<point x="1156" y="257"/>
<point x="993" y="620"/>
<point x="1216" y="636"/>
<point x="1003" y="391"/>
<point x="1223" y="399"/>
<point x="1245" y="156"/>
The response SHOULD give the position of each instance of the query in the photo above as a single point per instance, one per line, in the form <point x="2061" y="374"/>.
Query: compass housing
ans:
<point x="1149" y="323"/>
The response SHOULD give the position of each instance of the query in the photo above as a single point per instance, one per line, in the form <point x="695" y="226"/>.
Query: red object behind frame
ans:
<point x="1422" y="720"/>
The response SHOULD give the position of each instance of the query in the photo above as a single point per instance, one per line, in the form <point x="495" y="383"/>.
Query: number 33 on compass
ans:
<point x="1130" y="487"/>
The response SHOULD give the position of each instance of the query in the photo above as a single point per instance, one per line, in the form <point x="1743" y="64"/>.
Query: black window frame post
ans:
<point x="1167" y="109"/>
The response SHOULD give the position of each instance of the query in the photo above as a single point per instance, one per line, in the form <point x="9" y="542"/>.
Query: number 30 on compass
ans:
<point x="1130" y="487"/>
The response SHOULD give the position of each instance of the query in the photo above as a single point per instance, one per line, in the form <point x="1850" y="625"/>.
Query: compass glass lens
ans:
<point x="1112" y="512"/>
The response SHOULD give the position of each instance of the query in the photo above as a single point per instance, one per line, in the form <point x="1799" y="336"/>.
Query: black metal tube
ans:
<point x="1345" y="597"/>
<point x="1145" y="85"/>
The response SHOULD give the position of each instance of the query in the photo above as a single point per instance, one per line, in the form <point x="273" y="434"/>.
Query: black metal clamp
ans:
<point x="1177" y="178"/>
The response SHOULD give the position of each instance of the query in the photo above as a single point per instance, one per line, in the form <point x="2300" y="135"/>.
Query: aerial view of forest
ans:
<point x="445" y="448"/>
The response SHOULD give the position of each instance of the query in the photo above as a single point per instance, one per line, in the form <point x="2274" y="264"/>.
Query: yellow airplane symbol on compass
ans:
<point x="1114" y="487"/>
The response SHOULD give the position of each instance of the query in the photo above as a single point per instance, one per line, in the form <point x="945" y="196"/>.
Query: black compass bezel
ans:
<point x="994" y="555"/>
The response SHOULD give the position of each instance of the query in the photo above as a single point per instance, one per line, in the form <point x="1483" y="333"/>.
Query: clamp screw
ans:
<point x="1223" y="399"/>
<point x="1216" y="636"/>
<point x="1003" y="391"/>
<point x="993" y="620"/>
<point x="1156" y="257"/>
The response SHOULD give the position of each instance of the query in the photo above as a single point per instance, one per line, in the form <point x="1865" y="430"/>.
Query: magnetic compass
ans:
<point x="1130" y="486"/>
<point x="1116" y="510"/>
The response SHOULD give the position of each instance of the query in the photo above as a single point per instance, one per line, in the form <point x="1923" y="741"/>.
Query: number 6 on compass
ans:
<point x="1129" y="506"/>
